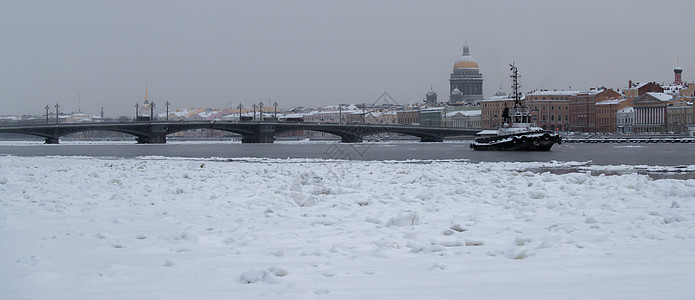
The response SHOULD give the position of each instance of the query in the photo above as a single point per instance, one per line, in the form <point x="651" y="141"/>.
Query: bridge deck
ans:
<point x="252" y="132"/>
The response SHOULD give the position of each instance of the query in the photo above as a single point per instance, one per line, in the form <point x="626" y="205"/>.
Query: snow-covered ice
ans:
<point x="153" y="228"/>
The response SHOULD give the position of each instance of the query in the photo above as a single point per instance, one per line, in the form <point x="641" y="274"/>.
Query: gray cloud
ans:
<point x="213" y="53"/>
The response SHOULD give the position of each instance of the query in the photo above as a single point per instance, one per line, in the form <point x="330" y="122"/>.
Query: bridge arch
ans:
<point x="53" y="134"/>
<point x="351" y="133"/>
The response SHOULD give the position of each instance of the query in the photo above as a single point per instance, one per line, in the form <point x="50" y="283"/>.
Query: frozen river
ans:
<point x="601" y="154"/>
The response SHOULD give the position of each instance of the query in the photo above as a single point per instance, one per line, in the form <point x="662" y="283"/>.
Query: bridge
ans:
<point x="155" y="132"/>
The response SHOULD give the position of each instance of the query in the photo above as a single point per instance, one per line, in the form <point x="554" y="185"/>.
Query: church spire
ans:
<point x="146" y="100"/>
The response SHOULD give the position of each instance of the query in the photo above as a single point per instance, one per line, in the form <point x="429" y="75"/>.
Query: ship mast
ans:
<point x="521" y="114"/>
<point x="515" y="85"/>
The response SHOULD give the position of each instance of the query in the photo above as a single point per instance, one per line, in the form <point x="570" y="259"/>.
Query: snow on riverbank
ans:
<point x="149" y="228"/>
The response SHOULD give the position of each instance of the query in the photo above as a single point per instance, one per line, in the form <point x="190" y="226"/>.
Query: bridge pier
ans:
<point x="152" y="139"/>
<point x="264" y="135"/>
<point x="431" y="139"/>
<point x="158" y="135"/>
<point x="349" y="138"/>
<point x="51" y="140"/>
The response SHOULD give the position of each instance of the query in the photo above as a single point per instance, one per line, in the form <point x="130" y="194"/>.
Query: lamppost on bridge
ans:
<point x="57" y="107"/>
<point x="136" y="111"/>
<point x="152" y="111"/>
<point x="260" y="116"/>
<point x="254" y="111"/>
<point x="364" y="114"/>
<point x="276" y="110"/>
<point x="167" y="103"/>
<point x="47" y="108"/>
<point x="240" y="107"/>
<point x="340" y="114"/>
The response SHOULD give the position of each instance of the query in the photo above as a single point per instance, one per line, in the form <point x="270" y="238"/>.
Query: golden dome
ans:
<point x="466" y="61"/>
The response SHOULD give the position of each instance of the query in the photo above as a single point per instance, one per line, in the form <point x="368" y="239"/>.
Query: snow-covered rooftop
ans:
<point x="554" y="93"/>
<point x="468" y="113"/>
<point x="610" y="101"/>
<point x="673" y="89"/>
<point x="497" y="98"/>
<point x="438" y="108"/>
<point x="661" y="96"/>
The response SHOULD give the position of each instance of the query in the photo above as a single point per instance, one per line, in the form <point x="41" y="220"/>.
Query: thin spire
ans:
<point x="145" y="90"/>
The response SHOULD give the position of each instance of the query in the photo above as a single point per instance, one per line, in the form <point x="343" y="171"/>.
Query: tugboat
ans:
<point x="518" y="133"/>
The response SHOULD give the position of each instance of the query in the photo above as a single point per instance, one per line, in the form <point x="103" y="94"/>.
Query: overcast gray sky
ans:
<point x="311" y="53"/>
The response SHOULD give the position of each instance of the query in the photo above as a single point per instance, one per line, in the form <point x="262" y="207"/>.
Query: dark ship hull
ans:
<point x="532" y="141"/>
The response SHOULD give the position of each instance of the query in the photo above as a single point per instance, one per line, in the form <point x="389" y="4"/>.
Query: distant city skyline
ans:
<point x="86" y="55"/>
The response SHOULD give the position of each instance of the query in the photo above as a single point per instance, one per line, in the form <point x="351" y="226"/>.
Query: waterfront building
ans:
<point x="679" y="114"/>
<point x="382" y="118"/>
<point x="607" y="114"/>
<point x="82" y="117"/>
<point x="650" y="112"/>
<point x="582" y="105"/>
<point x="408" y="117"/>
<point x="463" y="119"/>
<point x="635" y="90"/>
<point x="491" y="111"/>
<point x="550" y="110"/>
<point x="345" y="114"/>
<point x="433" y="116"/>
<point x="466" y="81"/>
<point x="688" y="93"/>
<point x="625" y="119"/>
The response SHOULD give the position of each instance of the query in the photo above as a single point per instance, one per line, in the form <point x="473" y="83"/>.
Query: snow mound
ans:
<point x="270" y="275"/>
<point x="405" y="219"/>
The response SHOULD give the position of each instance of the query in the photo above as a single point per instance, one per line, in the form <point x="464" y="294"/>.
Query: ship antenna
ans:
<point x="515" y="85"/>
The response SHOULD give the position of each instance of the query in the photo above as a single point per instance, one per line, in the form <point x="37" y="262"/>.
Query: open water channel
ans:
<point x="678" y="160"/>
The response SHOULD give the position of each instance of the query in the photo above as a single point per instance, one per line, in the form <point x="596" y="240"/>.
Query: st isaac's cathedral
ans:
<point x="466" y="82"/>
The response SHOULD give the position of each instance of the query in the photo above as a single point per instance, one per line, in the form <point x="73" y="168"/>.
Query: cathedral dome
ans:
<point x="466" y="61"/>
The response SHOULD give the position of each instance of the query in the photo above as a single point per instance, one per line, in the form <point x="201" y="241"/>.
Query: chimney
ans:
<point x="629" y="84"/>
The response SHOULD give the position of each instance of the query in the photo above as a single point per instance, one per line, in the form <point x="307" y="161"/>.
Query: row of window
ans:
<point x="552" y="107"/>
<point x="552" y="118"/>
